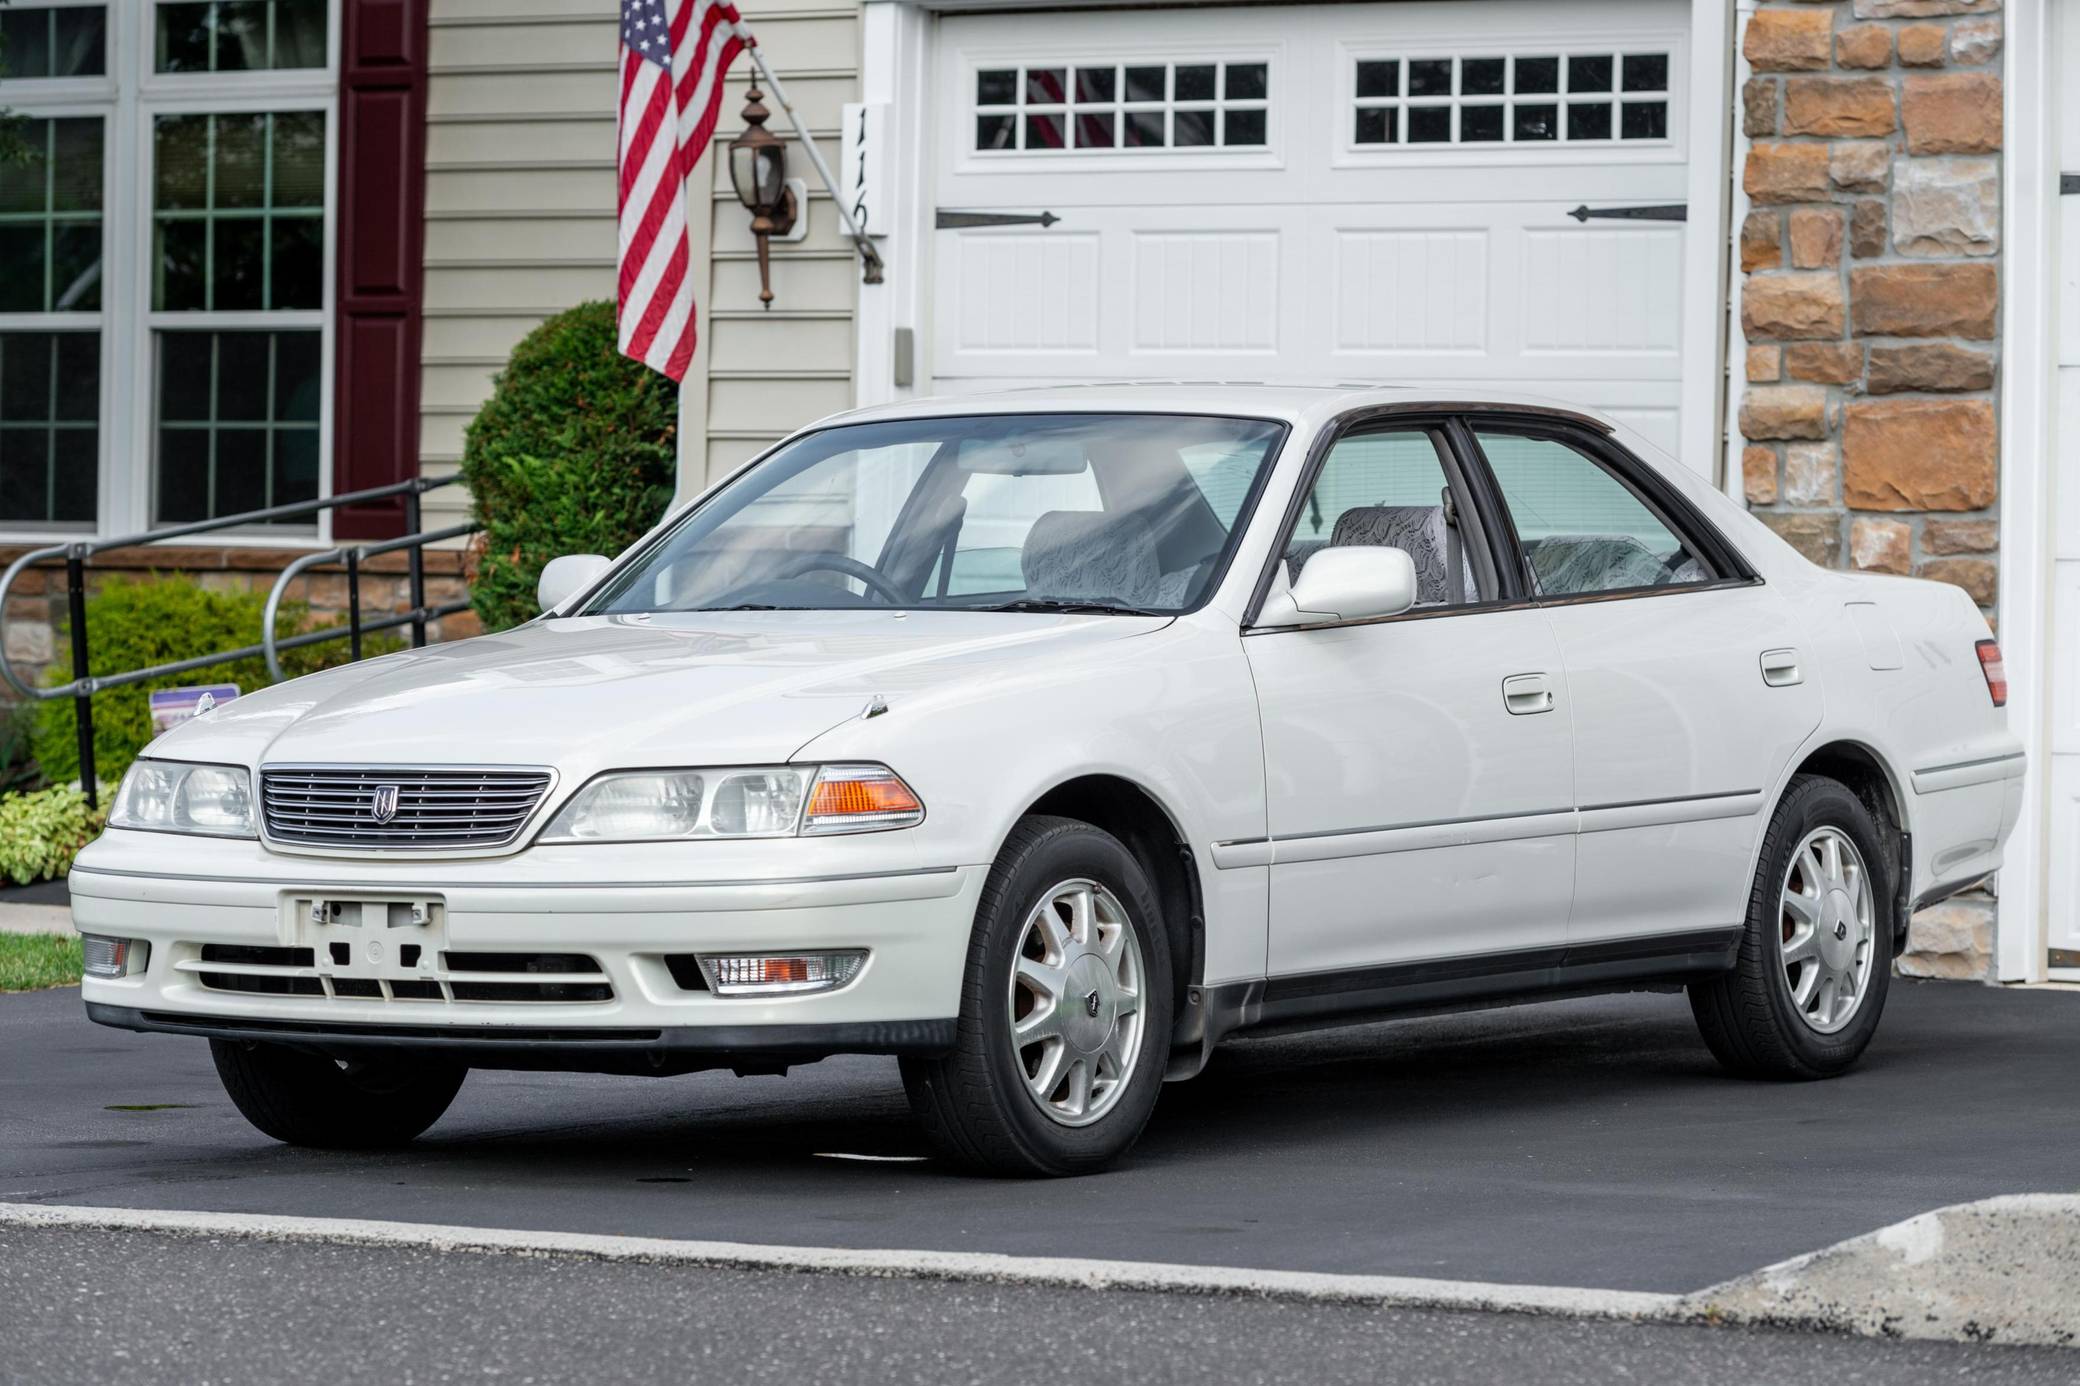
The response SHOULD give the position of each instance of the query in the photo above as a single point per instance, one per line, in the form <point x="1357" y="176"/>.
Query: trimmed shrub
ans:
<point x="41" y="832"/>
<point x="131" y="624"/>
<point x="575" y="452"/>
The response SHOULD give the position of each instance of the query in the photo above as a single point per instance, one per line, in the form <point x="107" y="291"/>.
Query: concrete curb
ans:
<point x="1374" y="1291"/>
<point x="2005" y="1270"/>
<point x="2002" y="1270"/>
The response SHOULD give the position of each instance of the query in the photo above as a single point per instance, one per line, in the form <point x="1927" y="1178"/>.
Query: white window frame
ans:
<point x="40" y="98"/>
<point x="129" y="98"/>
<point x="1277" y="107"/>
<point x="1613" y="97"/>
<point x="1349" y="153"/>
<point x="1069" y="108"/>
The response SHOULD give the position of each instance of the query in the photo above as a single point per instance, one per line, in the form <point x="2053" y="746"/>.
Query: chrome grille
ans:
<point x="337" y="805"/>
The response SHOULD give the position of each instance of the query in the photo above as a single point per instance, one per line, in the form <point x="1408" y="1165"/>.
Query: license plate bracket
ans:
<point x="370" y="938"/>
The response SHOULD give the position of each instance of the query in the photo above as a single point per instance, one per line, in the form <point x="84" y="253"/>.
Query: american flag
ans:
<point x="674" y="57"/>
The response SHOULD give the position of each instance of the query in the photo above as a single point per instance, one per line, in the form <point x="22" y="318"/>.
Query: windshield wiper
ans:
<point x="1067" y="606"/>
<point x="749" y="606"/>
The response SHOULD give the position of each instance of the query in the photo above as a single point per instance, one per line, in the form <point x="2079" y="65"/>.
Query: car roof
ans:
<point x="1299" y="402"/>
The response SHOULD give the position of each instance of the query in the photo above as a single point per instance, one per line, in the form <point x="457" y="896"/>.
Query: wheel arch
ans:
<point x="1131" y="812"/>
<point x="1866" y="773"/>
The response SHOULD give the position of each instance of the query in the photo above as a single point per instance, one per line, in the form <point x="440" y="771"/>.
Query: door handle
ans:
<point x="1525" y="694"/>
<point x="1781" y="669"/>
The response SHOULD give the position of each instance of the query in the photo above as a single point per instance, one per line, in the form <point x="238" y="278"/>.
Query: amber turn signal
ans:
<point x="860" y="798"/>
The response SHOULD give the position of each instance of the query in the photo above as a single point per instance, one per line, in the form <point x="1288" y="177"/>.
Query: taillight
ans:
<point x="1996" y="671"/>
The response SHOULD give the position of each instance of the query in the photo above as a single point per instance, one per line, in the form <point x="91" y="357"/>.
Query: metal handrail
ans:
<point x="355" y="626"/>
<point x="76" y="552"/>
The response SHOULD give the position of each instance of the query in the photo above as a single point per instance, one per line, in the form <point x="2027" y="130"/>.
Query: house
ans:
<point x="1812" y="248"/>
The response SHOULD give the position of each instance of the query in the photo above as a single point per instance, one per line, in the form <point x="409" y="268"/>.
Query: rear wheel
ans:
<point x="1805" y="996"/>
<point x="1065" y="1011"/>
<point x="310" y="1099"/>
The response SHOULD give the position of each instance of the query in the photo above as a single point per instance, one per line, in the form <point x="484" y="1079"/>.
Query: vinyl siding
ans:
<point x="762" y="372"/>
<point x="520" y="222"/>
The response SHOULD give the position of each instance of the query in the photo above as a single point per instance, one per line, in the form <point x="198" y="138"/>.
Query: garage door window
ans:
<point x="1175" y="105"/>
<point x="1528" y="98"/>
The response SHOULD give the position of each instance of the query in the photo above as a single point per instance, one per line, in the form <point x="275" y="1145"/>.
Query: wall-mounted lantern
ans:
<point x="758" y="170"/>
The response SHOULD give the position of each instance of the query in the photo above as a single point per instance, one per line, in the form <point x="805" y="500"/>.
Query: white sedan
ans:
<point x="1045" y="740"/>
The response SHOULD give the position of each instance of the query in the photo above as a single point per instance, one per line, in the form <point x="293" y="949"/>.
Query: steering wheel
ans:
<point x="851" y="567"/>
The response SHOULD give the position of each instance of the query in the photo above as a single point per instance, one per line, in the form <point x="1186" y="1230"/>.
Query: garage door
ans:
<point x="1358" y="192"/>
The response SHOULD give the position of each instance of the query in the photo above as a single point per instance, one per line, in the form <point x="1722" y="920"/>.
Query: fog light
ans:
<point x="110" y="957"/>
<point x="780" y="974"/>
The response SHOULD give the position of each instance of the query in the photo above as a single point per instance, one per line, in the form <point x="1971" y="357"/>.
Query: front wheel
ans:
<point x="1065" y="1011"/>
<point x="341" y="1104"/>
<point x="1805" y="995"/>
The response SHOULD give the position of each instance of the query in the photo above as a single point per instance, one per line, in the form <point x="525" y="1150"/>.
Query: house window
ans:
<point x="1531" y="98"/>
<point x="165" y="355"/>
<point x="53" y="41"/>
<point x="239" y="35"/>
<point x="50" y="279"/>
<point x="50" y="219"/>
<point x="238" y="210"/>
<point x="1050" y="108"/>
<point x="50" y="425"/>
<point x="238" y="422"/>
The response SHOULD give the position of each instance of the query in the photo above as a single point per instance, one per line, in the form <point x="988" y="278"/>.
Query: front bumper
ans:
<point x="630" y="910"/>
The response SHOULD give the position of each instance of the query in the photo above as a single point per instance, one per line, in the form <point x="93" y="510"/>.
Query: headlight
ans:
<point x="739" y="801"/>
<point x="169" y="796"/>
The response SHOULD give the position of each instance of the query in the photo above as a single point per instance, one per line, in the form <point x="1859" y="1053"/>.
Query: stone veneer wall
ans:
<point x="1870" y="305"/>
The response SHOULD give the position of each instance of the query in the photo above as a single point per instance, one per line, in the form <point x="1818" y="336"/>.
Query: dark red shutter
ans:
<point x="382" y="205"/>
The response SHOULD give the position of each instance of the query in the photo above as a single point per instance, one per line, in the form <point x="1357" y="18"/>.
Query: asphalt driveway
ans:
<point x="1587" y="1143"/>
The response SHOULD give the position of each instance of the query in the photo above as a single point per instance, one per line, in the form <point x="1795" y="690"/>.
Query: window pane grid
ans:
<point x="50" y="219"/>
<point x="50" y="398"/>
<point x="223" y="447"/>
<point x="226" y="247"/>
<point x="1542" y="98"/>
<point x="239" y="35"/>
<point x="53" y="41"/>
<point x="1060" y="107"/>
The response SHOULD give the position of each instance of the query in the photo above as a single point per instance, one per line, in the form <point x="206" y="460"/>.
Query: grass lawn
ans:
<point x="30" y="962"/>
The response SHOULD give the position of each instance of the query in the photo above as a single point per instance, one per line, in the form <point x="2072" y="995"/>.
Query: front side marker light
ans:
<point x="860" y="799"/>
<point x="110" y="957"/>
<point x="780" y="974"/>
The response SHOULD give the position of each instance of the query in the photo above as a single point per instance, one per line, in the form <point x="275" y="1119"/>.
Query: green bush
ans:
<point x="41" y="832"/>
<point x="575" y="452"/>
<point x="132" y="624"/>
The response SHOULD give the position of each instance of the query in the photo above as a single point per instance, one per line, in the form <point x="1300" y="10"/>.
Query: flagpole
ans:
<point x="870" y="258"/>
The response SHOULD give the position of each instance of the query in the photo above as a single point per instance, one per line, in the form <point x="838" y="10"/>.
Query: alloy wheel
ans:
<point x="1075" y="1015"/>
<point x="1825" y="930"/>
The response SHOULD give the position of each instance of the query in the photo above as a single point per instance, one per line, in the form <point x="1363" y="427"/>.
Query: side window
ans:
<point x="1582" y="528"/>
<point x="1390" y="488"/>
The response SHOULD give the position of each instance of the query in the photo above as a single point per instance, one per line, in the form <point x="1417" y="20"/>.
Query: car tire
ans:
<point x="1763" y="1019"/>
<point x="982" y="1106"/>
<point x="310" y="1099"/>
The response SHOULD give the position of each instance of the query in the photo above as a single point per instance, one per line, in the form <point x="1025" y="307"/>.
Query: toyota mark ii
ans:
<point x="1045" y="740"/>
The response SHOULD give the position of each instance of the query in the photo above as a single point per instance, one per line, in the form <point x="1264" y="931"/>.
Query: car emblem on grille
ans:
<point x="383" y="807"/>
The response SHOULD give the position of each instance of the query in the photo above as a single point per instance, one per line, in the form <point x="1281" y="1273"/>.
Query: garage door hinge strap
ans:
<point x="2068" y="184"/>
<point x="960" y="221"/>
<point x="1671" y="211"/>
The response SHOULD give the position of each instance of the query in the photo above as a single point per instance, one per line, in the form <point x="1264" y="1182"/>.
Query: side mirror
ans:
<point x="567" y="576"/>
<point x="1345" y="584"/>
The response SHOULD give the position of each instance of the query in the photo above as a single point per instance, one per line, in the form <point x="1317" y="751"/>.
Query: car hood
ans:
<point x="601" y="691"/>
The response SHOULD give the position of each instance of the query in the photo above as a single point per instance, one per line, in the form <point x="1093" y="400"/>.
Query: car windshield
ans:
<point x="1035" y="512"/>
